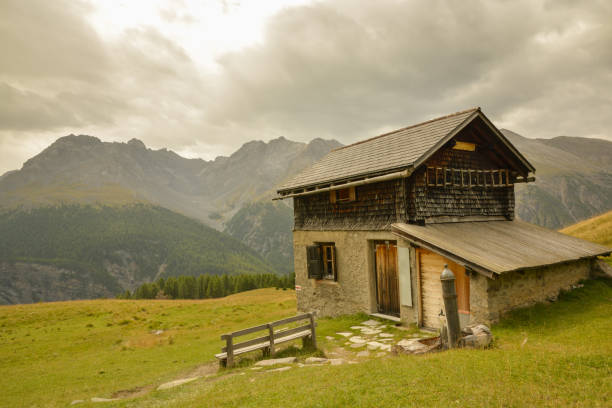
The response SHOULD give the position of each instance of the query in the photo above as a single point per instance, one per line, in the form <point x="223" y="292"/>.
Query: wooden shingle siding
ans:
<point x="428" y="203"/>
<point x="376" y="207"/>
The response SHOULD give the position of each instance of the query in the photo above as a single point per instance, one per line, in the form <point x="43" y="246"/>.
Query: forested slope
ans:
<point x="112" y="247"/>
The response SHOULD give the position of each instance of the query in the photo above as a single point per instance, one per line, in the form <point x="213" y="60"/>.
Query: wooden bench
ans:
<point x="271" y="339"/>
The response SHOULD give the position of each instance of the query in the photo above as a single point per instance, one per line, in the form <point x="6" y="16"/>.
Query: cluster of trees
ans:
<point x="208" y="286"/>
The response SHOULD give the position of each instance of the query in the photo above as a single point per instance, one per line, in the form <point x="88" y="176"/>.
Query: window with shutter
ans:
<point x="321" y="260"/>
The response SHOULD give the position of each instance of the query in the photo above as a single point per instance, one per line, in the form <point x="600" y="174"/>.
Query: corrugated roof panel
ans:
<point x="502" y="246"/>
<point x="394" y="150"/>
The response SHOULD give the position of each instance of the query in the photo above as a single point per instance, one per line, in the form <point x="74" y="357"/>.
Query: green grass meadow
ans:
<point x="550" y="355"/>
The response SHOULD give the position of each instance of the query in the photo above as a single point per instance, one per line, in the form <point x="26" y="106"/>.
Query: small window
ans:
<point x="495" y="177"/>
<point x="473" y="178"/>
<point x="439" y="176"/>
<point x="431" y="176"/>
<point x="342" y="195"/>
<point x="448" y="179"/>
<point x="457" y="177"/>
<point x="321" y="261"/>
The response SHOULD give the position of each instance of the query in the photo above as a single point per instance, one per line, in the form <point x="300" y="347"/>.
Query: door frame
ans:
<point x="375" y="275"/>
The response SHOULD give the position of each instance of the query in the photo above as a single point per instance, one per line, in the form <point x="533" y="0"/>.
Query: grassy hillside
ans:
<point x="120" y="246"/>
<point x="597" y="229"/>
<point x="550" y="355"/>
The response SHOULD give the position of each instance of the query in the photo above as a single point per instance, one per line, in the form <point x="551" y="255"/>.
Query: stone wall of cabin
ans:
<point x="376" y="207"/>
<point x="446" y="203"/>
<point x="354" y="291"/>
<point x="526" y="288"/>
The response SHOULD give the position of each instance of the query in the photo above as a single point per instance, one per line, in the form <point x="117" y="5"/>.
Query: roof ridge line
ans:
<point x="408" y="127"/>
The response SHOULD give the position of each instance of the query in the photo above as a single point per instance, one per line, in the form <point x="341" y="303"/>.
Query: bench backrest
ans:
<point x="272" y="335"/>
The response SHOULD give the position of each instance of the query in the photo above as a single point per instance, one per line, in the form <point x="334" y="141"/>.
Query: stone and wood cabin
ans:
<point x="376" y="221"/>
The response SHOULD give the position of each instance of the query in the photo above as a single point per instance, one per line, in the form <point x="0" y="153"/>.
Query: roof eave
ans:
<point x="343" y="181"/>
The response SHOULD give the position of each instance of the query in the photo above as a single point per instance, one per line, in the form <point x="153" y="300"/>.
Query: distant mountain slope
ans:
<point x="83" y="251"/>
<point x="84" y="169"/>
<point x="266" y="227"/>
<point x="573" y="179"/>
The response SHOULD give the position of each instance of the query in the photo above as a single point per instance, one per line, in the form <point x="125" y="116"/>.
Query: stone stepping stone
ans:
<point x="411" y="345"/>
<point x="357" y="345"/>
<point x="353" y="362"/>
<point x="345" y="334"/>
<point x="279" y="369"/>
<point x="371" y="323"/>
<point x="357" y="340"/>
<point x="374" y="345"/>
<point x="330" y="338"/>
<point x="96" y="399"/>
<point x="336" y="361"/>
<point x="256" y="368"/>
<point x="381" y="354"/>
<point x="385" y="347"/>
<point x="364" y="353"/>
<point x="369" y="332"/>
<point x="312" y="360"/>
<point x="77" y="402"/>
<point x="358" y="327"/>
<point x="385" y="340"/>
<point x="274" y="361"/>
<point x="386" y="335"/>
<point x="176" y="383"/>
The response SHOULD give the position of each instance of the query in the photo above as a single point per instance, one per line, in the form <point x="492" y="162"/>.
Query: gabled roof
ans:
<point x="496" y="247"/>
<point x="390" y="152"/>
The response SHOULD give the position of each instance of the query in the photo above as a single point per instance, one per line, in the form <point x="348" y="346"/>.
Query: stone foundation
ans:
<point x="526" y="288"/>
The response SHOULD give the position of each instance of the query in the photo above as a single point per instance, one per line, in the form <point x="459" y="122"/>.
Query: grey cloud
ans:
<point x="341" y="69"/>
<point x="347" y="68"/>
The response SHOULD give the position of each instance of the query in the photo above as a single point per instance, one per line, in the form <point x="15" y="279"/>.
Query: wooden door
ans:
<point x="387" y="284"/>
<point x="430" y="267"/>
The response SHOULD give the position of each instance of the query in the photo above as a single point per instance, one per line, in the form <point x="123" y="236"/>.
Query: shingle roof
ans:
<point x="500" y="246"/>
<point x="390" y="151"/>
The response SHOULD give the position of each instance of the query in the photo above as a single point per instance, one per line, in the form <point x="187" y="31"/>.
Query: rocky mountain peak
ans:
<point x="136" y="143"/>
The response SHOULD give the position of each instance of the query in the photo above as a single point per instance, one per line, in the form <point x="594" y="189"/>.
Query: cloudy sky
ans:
<point x="202" y="77"/>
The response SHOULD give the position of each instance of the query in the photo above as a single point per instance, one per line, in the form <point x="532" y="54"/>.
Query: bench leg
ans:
<point x="223" y="362"/>
<point x="307" y="342"/>
<point x="266" y="351"/>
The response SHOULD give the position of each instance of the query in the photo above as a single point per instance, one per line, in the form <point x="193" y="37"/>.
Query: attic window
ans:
<point x="342" y="195"/>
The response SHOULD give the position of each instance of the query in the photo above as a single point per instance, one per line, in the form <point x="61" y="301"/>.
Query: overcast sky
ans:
<point x="203" y="77"/>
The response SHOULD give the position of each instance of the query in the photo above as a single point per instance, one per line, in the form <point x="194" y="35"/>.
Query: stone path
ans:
<point x="364" y="341"/>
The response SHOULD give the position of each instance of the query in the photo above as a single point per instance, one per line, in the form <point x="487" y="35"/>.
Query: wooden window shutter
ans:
<point x="313" y="262"/>
<point x="335" y="263"/>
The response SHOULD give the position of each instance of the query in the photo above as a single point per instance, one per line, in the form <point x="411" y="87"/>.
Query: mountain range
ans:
<point x="233" y="194"/>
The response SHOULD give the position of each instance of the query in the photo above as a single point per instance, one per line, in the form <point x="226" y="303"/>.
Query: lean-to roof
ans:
<point x="496" y="247"/>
